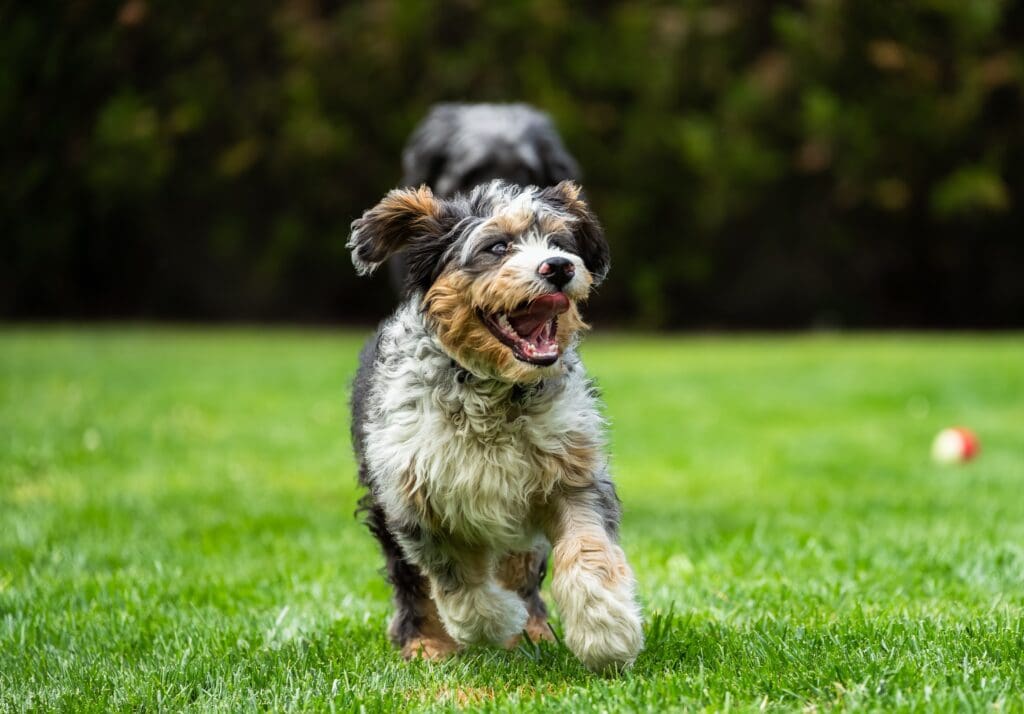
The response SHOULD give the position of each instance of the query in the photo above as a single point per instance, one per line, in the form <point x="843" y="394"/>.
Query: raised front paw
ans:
<point x="607" y="633"/>
<point x="594" y="588"/>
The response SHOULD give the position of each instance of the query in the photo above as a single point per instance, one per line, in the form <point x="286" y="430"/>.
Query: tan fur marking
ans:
<point x="401" y="216"/>
<point x="569" y="189"/>
<point x="499" y="292"/>
<point x="417" y="201"/>
<point x="579" y="539"/>
<point x="592" y="584"/>
<point x="452" y="303"/>
<point x="550" y="224"/>
<point x="432" y="649"/>
<point x="595" y="553"/>
<point x="537" y="629"/>
<point x="433" y="642"/>
<point x="577" y="465"/>
<point x="512" y="223"/>
<point x="459" y="328"/>
<point x="514" y="570"/>
<point x="416" y="494"/>
<point x="573" y="204"/>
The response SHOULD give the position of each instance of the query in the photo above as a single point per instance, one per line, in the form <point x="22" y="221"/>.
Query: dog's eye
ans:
<point x="563" y="242"/>
<point x="499" y="248"/>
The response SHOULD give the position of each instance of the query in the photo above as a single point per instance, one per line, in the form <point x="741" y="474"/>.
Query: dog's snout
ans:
<point x="558" y="271"/>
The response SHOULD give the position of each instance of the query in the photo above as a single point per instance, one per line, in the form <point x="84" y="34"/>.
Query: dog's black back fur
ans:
<point x="409" y="585"/>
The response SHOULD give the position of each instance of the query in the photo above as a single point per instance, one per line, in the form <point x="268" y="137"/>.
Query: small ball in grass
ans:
<point x="954" y="445"/>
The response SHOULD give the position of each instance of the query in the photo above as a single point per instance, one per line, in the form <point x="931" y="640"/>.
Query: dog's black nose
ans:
<point x="557" y="271"/>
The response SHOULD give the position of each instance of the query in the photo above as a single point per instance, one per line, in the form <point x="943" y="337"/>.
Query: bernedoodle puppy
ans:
<point x="479" y="435"/>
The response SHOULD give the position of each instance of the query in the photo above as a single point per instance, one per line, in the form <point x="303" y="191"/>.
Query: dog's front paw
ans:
<point x="488" y="613"/>
<point x="607" y="635"/>
<point x="602" y="620"/>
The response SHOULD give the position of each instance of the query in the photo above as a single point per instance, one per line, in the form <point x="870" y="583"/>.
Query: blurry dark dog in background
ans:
<point x="460" y="146"/>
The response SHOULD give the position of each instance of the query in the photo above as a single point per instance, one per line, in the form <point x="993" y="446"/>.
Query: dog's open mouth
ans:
<point x="531" y="330"/>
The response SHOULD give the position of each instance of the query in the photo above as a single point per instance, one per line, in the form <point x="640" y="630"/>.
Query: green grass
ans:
<point x="176" y="528"/>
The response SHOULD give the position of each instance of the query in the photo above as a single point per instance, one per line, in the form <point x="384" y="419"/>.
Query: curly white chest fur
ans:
<point x="469" y="455"/>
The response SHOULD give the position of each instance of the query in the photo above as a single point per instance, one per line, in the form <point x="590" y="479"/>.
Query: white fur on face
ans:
<point x="527" y="257"/>
<point x="506" y="199"/>
<point x="530" y="250"/>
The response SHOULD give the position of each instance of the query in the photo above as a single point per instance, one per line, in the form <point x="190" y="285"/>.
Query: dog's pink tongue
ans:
<point x="532" y="318"/>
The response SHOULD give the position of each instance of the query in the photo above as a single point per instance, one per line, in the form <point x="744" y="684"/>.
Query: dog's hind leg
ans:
<point x="415" y="628"/>
<point x="523" y="572"/>
<point x="471" y="603"/>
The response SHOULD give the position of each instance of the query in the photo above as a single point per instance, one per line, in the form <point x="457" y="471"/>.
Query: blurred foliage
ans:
<point x="830" y="162"/>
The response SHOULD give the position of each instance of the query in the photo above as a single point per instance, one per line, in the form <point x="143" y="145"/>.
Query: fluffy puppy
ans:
<point x="477" y="431"/>
<point x="460" y="146"/>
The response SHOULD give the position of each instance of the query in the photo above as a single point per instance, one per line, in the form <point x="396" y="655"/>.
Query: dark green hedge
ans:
<point x="847" y="162"/>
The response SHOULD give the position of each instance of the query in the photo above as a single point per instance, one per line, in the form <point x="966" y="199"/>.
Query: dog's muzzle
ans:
<point x="531" y="330"/>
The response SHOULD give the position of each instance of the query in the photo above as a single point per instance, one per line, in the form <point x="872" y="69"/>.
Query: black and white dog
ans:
<point x="457" y="147"/>
<point x="478" y="433"/>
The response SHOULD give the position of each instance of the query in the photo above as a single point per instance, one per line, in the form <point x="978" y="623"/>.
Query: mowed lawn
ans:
<point x="177" y="529"/>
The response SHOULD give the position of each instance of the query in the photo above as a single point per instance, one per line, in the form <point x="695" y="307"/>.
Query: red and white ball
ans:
<point x="954" y="445"/>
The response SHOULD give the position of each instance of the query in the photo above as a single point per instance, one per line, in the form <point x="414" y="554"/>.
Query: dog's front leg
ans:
<point x="593" y="584"/>
<point x="471" y="604"/>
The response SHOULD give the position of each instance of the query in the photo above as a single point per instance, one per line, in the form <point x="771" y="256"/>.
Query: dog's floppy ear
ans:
<point x="404" y="216"/>
<point x="590" y="241"/>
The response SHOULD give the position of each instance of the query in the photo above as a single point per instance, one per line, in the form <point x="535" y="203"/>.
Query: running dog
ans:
<point x="478" y="433"/>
